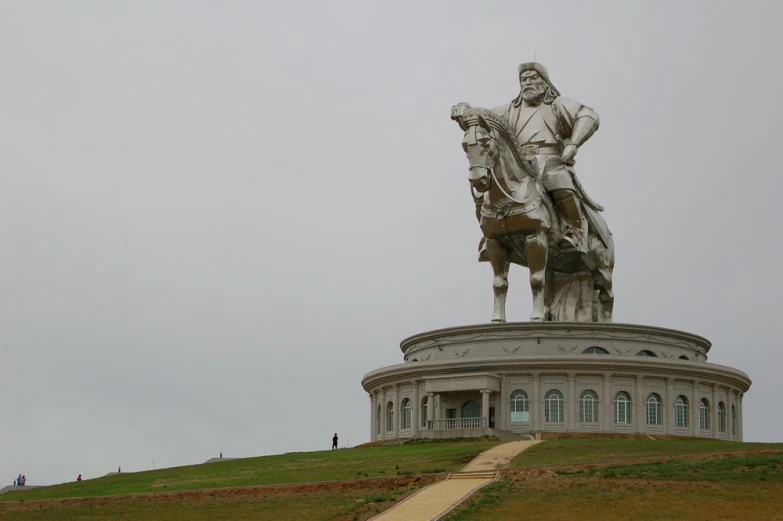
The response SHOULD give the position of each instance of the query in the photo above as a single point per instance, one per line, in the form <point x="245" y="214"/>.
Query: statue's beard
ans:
<point x="533" y="95"/>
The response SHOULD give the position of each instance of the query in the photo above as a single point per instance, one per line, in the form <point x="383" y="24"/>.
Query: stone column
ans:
<point x="730" y="408"/>
<point x="396" y="416"/>
<point x="372" y="417"/>
<point x="714" y="411"/>
<point x="430" y="408"/>
<point x="415" y="410"/>
<point x="668" y="407"/>
<point x="503" y="410"/>
<point x="637" y="406"/>
<point x="438" y="402"/>
<point x="740" y="428"/>
<point x="694" y="407"/>
<point x="605" y="410"/>
<point x="485" y="405"/>
<point x="572" y="405"/>
<point x="536" y="403"/>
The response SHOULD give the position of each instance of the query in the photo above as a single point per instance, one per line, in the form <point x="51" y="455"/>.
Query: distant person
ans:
<point x="23" y="481"/>
<point x="119" y="470"/>
<point x="334" y="441"/>
<point x="79" y="478"/>
<point x="18" y="480"/>
<point x="221" y="454"/>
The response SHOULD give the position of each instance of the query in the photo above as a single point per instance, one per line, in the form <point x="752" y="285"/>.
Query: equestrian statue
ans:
<point x="531" y="207"/>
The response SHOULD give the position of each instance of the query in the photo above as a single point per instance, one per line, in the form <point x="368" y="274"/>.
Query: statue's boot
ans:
<point x="570" y="209"/>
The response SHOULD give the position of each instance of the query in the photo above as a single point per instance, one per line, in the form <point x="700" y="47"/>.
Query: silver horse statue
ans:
<point x="521" y="226"/>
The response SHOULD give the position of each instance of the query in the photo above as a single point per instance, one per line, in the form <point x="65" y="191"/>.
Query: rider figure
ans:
<point x="550" y="129"/>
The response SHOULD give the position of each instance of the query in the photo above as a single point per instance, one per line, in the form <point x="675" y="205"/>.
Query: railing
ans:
<point x="456" y="423"/>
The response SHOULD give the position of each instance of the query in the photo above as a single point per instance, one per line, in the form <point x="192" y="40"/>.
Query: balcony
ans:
<point x="456" y="424"/>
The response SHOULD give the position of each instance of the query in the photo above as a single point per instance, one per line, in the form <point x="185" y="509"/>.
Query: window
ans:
<point x="704" y="414"/>
<point x="406" y="409"/>
<point x="471" y="409"/>
<point x="681" y="411"/>
<point x="588" y="407"/>
<point x="553" y="406"/>
<point x="595" y="350"/>
<point x="424" y="412"/>
<point x="645" y="352"/>
<point x="389" y="417"/>
<point x="654" y="416"/>
<point x="378" y="420"/>
<point x="622" y="408"/>
<point x="520" y="407"/>
<point x="721" y="417"/>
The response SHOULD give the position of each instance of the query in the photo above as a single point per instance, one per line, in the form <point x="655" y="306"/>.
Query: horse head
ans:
<point x="480" y="145"/>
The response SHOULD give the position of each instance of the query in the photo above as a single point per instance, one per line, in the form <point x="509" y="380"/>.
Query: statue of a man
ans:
<point x="551" y="129"/>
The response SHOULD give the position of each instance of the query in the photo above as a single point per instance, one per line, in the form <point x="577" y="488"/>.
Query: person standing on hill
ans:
<point x="79" y="478"/>
<point x="334" y="441"/>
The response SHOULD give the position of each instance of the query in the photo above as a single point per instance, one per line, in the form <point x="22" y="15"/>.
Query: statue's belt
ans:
<point x="499" y="211"/>
<point x="541" y="150"/>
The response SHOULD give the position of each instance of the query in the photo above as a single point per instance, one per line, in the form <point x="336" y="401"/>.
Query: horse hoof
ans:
<point x="498" y="321"/>
<point x="536" y="319"/>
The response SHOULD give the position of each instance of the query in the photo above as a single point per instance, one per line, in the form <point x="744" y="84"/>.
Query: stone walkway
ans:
<point x="432" y="502"/>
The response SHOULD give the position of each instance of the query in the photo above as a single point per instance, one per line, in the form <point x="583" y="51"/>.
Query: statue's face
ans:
<point x="533" y="86"/>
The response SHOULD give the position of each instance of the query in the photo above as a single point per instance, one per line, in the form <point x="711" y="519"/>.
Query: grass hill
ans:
<point x="607" y="478"/>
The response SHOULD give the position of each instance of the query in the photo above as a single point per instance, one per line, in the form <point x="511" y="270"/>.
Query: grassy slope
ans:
<point x="301" y="467"/>
<point x="731" y="487"/>
<point x="707" y="488"/>
<point x="597" y="450"/>
<point x="217" y="505"/>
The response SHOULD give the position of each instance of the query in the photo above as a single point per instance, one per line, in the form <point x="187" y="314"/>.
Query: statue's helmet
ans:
<point x="541" y="70"/>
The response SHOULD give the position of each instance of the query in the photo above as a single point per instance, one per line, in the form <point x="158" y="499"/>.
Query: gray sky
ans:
<point x="218" y="216"/>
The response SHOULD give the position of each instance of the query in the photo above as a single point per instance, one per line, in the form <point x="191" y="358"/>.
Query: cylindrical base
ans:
<point x="556" y="377"/>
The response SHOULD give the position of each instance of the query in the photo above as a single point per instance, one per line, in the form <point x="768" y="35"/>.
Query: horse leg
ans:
<point x="537" y="249"/>
<point x="499" y="259"/>
<point x="602" y="266"/>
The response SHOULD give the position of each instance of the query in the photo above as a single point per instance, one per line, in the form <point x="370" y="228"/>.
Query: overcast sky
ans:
<point x="216" y="217"/>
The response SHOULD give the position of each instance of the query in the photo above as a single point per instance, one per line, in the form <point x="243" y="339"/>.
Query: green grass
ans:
<point x="748" y="469"/>
<point x="248" y="505"/>
<point x="596" y="450"/>
<point x="693" y="489"/>
<point x="301" y="467"/>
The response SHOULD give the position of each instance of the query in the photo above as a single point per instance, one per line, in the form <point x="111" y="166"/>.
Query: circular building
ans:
<point x="528" y="378"/>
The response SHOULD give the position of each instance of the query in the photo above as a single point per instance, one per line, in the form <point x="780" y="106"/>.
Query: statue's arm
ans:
<point x="580" y="121"/>
<point x="585" y="126"/>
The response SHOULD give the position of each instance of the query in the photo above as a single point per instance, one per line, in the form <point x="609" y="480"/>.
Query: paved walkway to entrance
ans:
<point x="432" y="502"/>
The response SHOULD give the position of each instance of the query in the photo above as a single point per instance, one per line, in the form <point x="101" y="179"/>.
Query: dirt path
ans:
<point x="437" y="500"/>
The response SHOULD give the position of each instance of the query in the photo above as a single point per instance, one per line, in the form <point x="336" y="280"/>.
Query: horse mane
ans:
<point x="500" y="123"/>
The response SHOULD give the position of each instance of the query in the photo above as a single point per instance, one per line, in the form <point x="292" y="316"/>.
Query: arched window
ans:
<point x="704" y="414"/>
<point x="646" y="352"/>
<point x="405" y="417"/>
<point x="553" y="406"/>
<point x="733" y="423"/>
<point x="588" y="407"/>
<point x="378" y="420"/>
<point x="520" y="407"/>
<point x="681" y="411"/>
<point x="389" y="417"/>
<point x="595" y="350"/>
<point x="721" y="417"/>
<point x="683" y="357"/>
<point x="471" y="409"/>
<point x="424" y="412"/>
<point x="622" y="408"/>
<point x="653" y="405"/>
